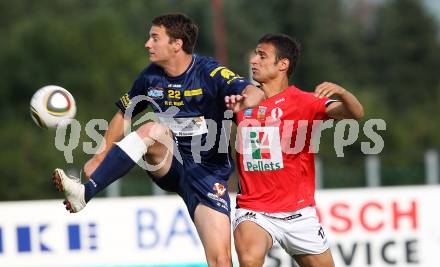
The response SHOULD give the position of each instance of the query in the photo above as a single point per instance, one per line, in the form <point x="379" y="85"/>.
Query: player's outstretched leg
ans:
<point x="72" y="188"/>
<point x="121" y="158"/>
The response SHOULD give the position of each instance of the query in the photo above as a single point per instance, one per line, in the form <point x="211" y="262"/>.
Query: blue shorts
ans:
<point x="196" y="184"/>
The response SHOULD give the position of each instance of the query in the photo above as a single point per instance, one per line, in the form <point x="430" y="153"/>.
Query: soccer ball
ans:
<point x="52" y="106"/>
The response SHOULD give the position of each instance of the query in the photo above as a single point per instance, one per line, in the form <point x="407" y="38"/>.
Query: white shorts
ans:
<point x="297" y="232"/>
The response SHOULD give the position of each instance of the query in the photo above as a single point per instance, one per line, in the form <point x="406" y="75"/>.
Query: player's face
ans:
<point x="263" y="63"/>
<point x="159" y="45"/>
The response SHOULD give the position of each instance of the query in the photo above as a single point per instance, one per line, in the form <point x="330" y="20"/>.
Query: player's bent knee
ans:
<point x="151" y="130"/>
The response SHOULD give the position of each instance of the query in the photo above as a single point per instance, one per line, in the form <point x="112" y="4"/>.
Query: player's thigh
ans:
<point x="160" y="153"/>
<point x="252" y="243"/>
<point x="214" y="231"/>
<point x="324" y="259"/>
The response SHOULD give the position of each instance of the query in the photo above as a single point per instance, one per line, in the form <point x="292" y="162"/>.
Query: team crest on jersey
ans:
<point x="261" y="112"/>
<point x="276" y="113"/>
<point x="155" y="92"/>
<point x="219" y="189"/>
<point x="248" y="112"/>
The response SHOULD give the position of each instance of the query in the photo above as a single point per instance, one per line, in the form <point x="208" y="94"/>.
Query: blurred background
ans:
<point x="386" y="52"/>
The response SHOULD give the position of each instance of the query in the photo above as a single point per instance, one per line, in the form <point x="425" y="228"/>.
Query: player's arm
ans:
<point x="249" y="98"/>
<point x="115" y="131"/>
<point x="348" y="106"/>
<point x="238" y="92"/>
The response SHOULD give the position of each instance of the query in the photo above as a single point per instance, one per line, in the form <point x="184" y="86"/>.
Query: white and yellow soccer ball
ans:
<point x="52" y="106"/>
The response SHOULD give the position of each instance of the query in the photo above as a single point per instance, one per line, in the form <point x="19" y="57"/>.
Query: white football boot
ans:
<point x="73" y="190"/>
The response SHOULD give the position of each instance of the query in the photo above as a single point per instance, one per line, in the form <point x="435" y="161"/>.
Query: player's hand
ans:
<point x="327" y="89"/>
<point x="235" y="102"/>
<point x="91" y="166"/>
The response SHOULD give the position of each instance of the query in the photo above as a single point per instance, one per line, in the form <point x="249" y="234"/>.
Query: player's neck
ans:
<point x="275" y="86"/>
<point x="178" y="65"/>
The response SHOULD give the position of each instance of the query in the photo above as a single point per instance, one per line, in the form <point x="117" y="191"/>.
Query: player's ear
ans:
<point x="178" y="43"/>
<point x="283" y="64"/>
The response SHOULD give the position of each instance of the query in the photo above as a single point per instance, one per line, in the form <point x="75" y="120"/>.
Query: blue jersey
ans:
<point x="197" y="98"/>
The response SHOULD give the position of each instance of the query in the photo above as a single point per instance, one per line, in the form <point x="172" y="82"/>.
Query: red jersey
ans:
<point x="275" y="163"/>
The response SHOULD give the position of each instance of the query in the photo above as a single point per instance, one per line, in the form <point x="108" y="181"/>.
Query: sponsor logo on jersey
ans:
<point x="279" y="101"/>
<point x="125" y="100"/>
<point x="261" y="166"/>
<point x="216" y="70"/>
<point x="155" y="93"/>
<point x="219" y="189"/>
<point x="174" y="103"/>
<point x="276" y="113"/>
<point x="190" y="126"/>
<point x="174" y="85"/>
<point x="226" y="74"/>
<point x="260" y="145"/>
<point x="261" y="149"/>
<point x="248" y="112"/>
<point x="261" y="112"/>
<point x="194" y="92"/>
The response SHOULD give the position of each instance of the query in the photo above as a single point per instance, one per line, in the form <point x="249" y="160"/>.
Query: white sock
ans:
<point x="133" y="146"/>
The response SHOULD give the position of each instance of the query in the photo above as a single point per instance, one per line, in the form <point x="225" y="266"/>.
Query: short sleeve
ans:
<point x="319" y="106"/>
<point x="138" y="88"/>
<point x="313" y="108"/>
<point x="226" y="81"/>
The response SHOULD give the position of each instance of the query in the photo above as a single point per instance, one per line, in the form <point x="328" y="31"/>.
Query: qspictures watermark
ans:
<point x="206" y="133"/>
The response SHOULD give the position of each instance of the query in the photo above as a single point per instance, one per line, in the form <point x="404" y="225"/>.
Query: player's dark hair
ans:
<point x="179" y="26"/>
<point x="285" y="47"/>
